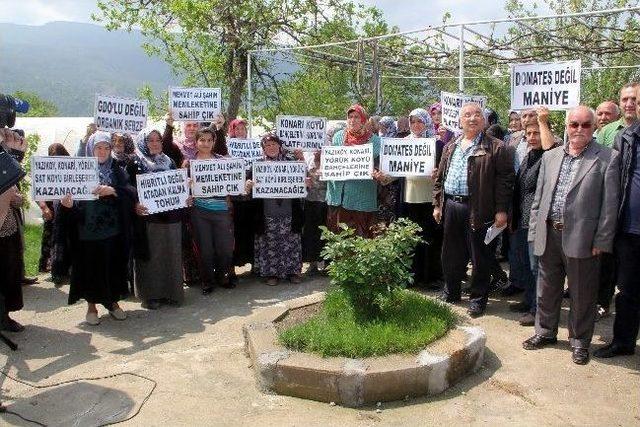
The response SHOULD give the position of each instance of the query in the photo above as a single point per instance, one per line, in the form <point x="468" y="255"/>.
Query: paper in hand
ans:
<point x="492" y="233"/>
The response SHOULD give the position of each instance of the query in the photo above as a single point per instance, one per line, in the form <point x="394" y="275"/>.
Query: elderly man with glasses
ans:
<point x="573" y="221"/>
<point x="471" y="192"/>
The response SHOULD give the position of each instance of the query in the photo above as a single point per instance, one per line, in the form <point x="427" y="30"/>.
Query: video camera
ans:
<point x="9" y="106"/>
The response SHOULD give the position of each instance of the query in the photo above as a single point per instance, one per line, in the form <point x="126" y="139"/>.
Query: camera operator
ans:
<point x="11" y="243"/>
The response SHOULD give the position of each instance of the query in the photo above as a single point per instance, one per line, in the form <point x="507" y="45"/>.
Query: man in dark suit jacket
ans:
<point x="573" y="220"/>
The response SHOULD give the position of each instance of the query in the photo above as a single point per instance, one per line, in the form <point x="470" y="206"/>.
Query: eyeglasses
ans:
<point x="583" y="125"/>
<point x="470" y="115"/>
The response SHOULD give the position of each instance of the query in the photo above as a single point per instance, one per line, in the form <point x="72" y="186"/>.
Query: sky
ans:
<point x="413" y="14"/>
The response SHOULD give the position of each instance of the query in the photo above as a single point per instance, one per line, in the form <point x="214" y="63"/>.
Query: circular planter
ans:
<point x="355" y="382"/>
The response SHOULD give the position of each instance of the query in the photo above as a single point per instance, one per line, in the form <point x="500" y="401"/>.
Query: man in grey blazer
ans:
<point x="573" y="220"/>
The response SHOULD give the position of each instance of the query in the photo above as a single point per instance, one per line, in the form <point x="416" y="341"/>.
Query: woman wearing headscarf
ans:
<point x="54" y="249"/>
<point x="184" y="148"/>
<point x="122" y="149"/>
<point x="244" y="212"/>
<point x="354" y="202"/>
<point x="403" y="127"/>
<point x="98" y="231"/>
<point x="158" y="248"/>
<point x="278" y="245"/>
<point x="212" y="225"/>
<point x="11" y="241"/>
<point x="388" y="195"/>
<point x="418" y="207"/>
<point x="387" y="127"/>
<point x="443" y="135"/>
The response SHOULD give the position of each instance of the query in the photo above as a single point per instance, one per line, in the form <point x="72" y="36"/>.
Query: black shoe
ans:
<point x="580" y="356"/>
<point x="448" y="298"/>
<point x="519" y="307"/>
<point x="475" y="311"/>
<point x="498" y="283"/>
<point x="510" y="291"/>
<point x="612" y="350"/>
<point x="537" y="342"/>
<point x="152" y="304"/>
<point x="207" y="290"/>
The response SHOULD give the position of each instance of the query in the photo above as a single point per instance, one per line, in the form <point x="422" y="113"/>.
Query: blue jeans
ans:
<point x="518" y="258"/>
<point x="521" y="263"/>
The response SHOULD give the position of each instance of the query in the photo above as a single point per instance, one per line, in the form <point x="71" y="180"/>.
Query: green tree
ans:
<point x="38" y="107"/>
<point x="207" y="41"/>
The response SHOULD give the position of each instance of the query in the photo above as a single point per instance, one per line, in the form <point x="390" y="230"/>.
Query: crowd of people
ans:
<point x="571" y="211"/>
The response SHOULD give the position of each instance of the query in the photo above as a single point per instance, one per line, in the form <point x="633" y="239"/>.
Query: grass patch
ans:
<point x="32" y="240"/>
<point x="408" y="322"/>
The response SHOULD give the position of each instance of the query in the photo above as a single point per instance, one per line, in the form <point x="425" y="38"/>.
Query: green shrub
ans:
<point x="369" y="270"/>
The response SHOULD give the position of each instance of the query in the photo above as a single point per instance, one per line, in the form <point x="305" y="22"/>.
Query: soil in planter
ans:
<point x="407" y="325"/>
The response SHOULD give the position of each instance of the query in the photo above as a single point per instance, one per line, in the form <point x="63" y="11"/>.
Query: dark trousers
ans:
<point x="460" y="244"/>
<point x="426" y="260"/>
<point x="213" y="231"/>
<point x="582" y="276"/>
<point x="607" y="279"/>
<point x="625" y="326"/>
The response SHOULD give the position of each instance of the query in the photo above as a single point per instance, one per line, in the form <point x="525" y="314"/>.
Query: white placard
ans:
<point x="407" y="156"/>
<point x="198" y="104"/>
<point x="555" y="85"/>
<point x="279" y="180"/>
<point x="116" y="114"/>
<point x="451" y="105"/>
<point x="342" y="163"/>
<point x="304" y="133"/>
<point x="163" y="191"/>
<point x="53" y="177"/>
<point x="248" y="149"/>
<point x="217" y="177"/>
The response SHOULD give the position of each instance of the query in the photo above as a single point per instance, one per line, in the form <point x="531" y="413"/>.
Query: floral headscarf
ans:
<point x="352" y="138"/>
<point x="272" y="137"/>
<point x="233" y="127"/>
<point x="389" y="125"/>
<point x="151" y="162"/>
<point x="422" y="115"/>
<point x="187" y="145"/>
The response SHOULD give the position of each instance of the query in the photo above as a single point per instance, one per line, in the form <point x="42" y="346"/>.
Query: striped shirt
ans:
<point x="455" y="183"/>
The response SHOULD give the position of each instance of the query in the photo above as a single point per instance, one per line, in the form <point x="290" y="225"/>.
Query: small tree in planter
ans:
<point x="370" y="270"/>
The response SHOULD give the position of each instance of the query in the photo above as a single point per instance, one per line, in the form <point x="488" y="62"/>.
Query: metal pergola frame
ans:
<point x="462" y="27"/>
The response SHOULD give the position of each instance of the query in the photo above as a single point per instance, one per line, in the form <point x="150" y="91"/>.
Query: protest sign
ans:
<point x="163" y="191"/>
<point x="217" y="177"/>
<point x="342" y="163"/>
<point x="53" y="177"/>
<point x="116" y="114"/>
<point x="279" y="180"/>
<point x="408" y="156"/>
<point x="555" y="85"/>
<point x="451" y="105"/>
<point x="304" y="133"/>
<point x="248" y="149"/>
<point x="198" y="104"/>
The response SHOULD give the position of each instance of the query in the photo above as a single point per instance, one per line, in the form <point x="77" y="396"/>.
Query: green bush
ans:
<point x="369" y="270"/>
